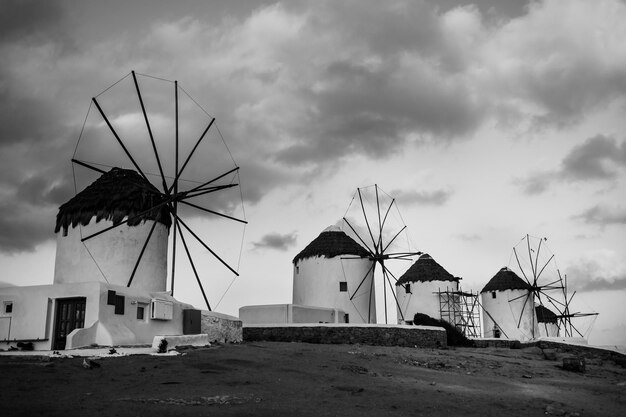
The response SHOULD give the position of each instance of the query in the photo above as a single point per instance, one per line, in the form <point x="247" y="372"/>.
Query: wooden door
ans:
<point x="70" y="315"/>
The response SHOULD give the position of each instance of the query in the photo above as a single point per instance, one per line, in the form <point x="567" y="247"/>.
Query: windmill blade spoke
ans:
<point x="206" y="246"/>
<point x="145" y="116"/>
<point x="86" y="165"/>
<point x="214" y="212"/>
<point x="520" y="267"/>
<point x="189" y="194"/>
<point x="393" y="200"/>
<point x="174" y="233"/>
<point x="143" y="249"/>
<point x="119" y="140"/>
<point x="394" y="238"/>
<point x="219" y="177"/>
<point x="518" y="297"/>
<point x="537" y="257"/>
<point x="193" y="150"/>
<point x="544" y="267"/>
<point x="530" y="257"/>
<point x="123" y="222"/>
<point x="553" y="299"/>
<point x="363" y="280"/>
<point x="387" y="273"/>
<point x="358" y="236"/>
<point x="380" y="225"/>
<point x="369" y="229"/>
<point x="521" y="314"/>
<point x="193" y="266"/>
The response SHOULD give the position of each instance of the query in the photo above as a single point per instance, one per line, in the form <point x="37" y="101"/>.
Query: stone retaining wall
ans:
<point x="377" y="335"/>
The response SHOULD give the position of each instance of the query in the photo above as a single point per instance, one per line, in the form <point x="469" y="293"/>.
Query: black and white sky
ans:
<point x="487" y="120"/>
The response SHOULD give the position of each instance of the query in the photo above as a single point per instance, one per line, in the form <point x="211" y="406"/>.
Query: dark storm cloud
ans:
<point x="276" y="241"/>
<point x="603" y="216"/>
<point x="599" y="158"/>
<point x="591" y="275"/>
<point x="24" y="226"/>
<point x="601" y="284"/>
<point x="423" y="198"/>
<point x="301" y="86"/>
<point x="20" y="19"/>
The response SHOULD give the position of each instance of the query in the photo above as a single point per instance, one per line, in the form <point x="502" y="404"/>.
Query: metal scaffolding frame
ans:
<point x="460" y="309"/>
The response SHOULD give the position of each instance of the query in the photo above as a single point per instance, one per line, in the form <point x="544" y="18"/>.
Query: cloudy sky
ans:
<point x="487" y="120"/>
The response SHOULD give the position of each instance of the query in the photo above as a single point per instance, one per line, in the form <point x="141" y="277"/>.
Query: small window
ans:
<point x="297" y="269"/>
<point x="346" y="318"/>
<point x="493" y="294"/>
<point x="343" y="286"/>
<point x="119" y="304"/>
<point x="111" y="297"/>
<point x="8" y="307"/>
<point x="140" y="312"/>
<point x="408" y="288"/>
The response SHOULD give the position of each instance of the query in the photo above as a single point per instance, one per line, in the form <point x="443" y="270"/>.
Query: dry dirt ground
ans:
<point x="299" y="379"/>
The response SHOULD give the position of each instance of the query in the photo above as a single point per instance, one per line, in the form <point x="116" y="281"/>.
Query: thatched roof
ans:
<point x="117" y="194"/>
<point x="544" y="314"/>
<point x="505" y="279"/>
<point x="426" y="269"/>
<point x="330" y="243"/>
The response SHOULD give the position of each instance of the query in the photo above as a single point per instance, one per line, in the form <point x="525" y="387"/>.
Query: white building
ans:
<point x="334" y="271"/>
<point x="508" y="307"/>
<point x="547" y="322"/>
<point x="420" y="287"/>
<point x="92" y="299"/>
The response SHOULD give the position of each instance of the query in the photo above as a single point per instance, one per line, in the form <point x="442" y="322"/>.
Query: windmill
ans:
<point x="154" y="132"/>
<point x="534" y="261"/>
<point x="373" y="220"/>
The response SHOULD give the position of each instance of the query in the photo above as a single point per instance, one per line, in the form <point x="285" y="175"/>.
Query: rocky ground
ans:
<point x="298" y="379"/>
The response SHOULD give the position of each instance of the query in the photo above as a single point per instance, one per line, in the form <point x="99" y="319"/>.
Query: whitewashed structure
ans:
<point x="419" y="289"/>
<point x="334" y="271"/>
<point x="93" y="299"/>
<point x="508" y="307"/>
<point x="547" y="322"/>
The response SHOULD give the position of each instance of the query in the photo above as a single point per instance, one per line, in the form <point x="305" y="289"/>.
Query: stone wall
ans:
<point x="221" y="328"/>
<point x="372" y="334"/>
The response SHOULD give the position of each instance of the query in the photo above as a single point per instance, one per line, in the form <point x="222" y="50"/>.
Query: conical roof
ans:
<point x="330" y="243"/>
<point x="505" y="279"/>
<point x="117" y="194"/>
<point x="544" y="314"/>
<point x="426" y="269"/>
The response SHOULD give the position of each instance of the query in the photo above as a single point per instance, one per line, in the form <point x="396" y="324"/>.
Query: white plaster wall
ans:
<point x="34" y="309"/>
<point x="316" y="283"/>
<point x="548" y="330"/>
<point x="423" y="298"/>
<point x="114" y="255"/>
<point x="276" y="313"/>
<point x="507" y="314"/>
<point x="289" y="313"/>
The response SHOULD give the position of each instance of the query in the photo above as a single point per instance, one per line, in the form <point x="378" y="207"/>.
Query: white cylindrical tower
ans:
<point x="111" y="256"/>
<point x="508" y="307"/>
<point x="332" y="269"/>
<point x="419" y="287"/>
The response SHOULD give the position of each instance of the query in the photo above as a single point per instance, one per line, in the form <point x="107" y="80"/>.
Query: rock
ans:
<point x="574" y="364"/>
<point x="549" y="354"/>
<point x="89" y="364"/>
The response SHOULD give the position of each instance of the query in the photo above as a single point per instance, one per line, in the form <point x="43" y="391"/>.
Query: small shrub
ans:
<point x="163" y="346"/>
<point x="453" y="335"/>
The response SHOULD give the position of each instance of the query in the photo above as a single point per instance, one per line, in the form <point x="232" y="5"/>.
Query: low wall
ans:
<point x="581" y="350"/>
<point x="220" y="327"/>
<point x="366" y="334"/>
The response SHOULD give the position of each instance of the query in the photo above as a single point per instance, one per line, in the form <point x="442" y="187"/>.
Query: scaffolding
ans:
<point x="460" y="309"/>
